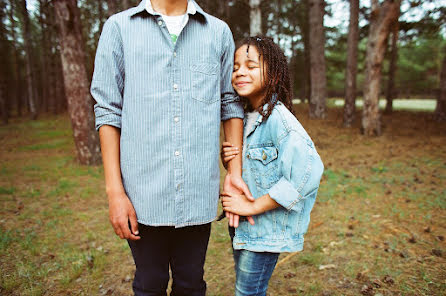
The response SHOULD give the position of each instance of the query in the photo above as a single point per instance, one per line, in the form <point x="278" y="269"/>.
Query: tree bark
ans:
<point x="100" y="15"/>
<point x="303" y="23"/>
<point x="16" y="60"/>
<point x="352" y="65"/>
<point x="45" y="43"/>
<point x="440" y="110"/>
<point x="112" y="7"/>
<point x="75" y="81"/>
<point x="126" y="4"/>
<point x="391" y="91"/>
<point x="30" y="83"/>
<point x="4" y="64"/>
<point x="381" y="19"/>
<point x="317" y="59"/>
<point x="255" y="14"/>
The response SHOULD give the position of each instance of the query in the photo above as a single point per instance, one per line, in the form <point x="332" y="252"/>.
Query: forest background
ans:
<point x="378" y="226"/>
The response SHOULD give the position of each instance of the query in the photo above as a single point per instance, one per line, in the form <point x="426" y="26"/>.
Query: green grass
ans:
<point x="55" y="237"/>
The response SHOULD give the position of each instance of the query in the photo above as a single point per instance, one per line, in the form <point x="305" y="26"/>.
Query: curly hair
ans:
<point x="277" y="76"/>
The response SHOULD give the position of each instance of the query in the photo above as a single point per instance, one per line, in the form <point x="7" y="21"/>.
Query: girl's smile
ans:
<point x="247" y="75"/>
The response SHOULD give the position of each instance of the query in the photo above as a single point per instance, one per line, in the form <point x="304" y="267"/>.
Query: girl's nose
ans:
<point x="241" y="71"/>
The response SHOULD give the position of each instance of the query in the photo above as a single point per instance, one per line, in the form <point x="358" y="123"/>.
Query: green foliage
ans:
<point x="419" y="64"/>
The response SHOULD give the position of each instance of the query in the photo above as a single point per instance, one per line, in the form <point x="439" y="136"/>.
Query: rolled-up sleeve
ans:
<point x="231" y="106"/>
<point x="301" y="169"/>
<point x="107" y="85"/>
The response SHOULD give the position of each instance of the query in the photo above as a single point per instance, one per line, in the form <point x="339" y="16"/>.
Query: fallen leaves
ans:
<point x="327" y="266"/>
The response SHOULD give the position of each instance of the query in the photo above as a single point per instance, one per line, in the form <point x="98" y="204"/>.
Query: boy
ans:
<point x="162" y="84"/>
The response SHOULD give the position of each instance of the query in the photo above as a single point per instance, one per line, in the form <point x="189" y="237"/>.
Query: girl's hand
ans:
<point x="238" y="204"/>
<point x="228" y="152"/>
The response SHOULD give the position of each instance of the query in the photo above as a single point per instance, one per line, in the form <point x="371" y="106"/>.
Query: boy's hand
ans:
<point x="235" y="184"/>
<point x="238" y="204"/>
<point x="228" y="152"/>
<point x="121" y="212"/>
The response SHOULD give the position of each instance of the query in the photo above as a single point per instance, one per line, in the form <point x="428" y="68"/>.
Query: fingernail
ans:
<point x="136" y="232"/>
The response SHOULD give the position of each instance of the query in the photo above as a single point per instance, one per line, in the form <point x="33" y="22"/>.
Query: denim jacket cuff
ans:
<point x="285" y="194"/>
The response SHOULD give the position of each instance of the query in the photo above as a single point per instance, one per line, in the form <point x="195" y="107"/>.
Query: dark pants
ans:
<point x="184" y="249"/>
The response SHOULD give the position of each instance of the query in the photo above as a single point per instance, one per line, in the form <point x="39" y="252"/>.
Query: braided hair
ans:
<point x="276" y="77"/>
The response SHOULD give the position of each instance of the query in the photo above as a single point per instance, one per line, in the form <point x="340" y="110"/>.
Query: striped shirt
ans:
<point x="168" y="100"/>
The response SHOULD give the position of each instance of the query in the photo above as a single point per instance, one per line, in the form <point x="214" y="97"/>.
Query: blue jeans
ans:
<point x="253" y="271"/>
<point x="183" y="249"/>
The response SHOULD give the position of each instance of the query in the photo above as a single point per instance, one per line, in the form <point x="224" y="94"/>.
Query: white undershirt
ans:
<point x="175" y="24"/>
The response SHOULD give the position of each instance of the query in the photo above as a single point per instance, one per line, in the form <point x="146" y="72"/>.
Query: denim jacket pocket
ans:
<point x="264" y="167"/>
<point x="205" y="82"/>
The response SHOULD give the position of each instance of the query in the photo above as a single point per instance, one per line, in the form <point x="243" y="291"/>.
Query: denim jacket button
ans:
<point x="264" y="155"/>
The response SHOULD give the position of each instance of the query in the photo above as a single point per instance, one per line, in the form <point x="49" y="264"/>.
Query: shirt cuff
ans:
<point x="284" y="193"/>
<point x="231" y="107"/>
<point x="103" y="117"/>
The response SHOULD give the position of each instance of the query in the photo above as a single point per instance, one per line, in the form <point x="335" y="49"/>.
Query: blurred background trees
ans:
<point x="328" y="44"/>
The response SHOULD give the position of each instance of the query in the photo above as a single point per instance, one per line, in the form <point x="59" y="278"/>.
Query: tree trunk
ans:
<point x="317" y="59"/>
<point x="440" y="110"/>
<point x="255" y="24"/>
<point x="391" y="92"/>
<point x="45" y="43"/>
<point x="4" y="64"/>
<point x="303" y="22"/>
<point x="100" y="15"/>
<point x="126" y="4"/>
<point x="75" y="81"/>
<point x="3" y="96"/>
<point x="53" y="80"/>
<point x="61" y="98"/>
<point x="16" y="60"/>
<point x="112" y="7"/>
<point x="352" y="65"/>
<point x="278" y="21"/>
<point x="28" y="59"/>
<point x="382" y="17"/>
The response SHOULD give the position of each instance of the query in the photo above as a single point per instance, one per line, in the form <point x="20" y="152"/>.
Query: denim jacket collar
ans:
<point x="260" y="117"/>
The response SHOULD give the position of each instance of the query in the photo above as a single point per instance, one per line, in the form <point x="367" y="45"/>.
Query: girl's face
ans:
<point x="247" y="75"/>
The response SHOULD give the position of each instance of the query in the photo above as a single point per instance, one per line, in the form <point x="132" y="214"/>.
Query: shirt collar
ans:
<point x="192" y="8"/>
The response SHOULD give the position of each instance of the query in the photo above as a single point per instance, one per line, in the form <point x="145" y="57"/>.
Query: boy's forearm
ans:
<point x="110" y="147"/>
<point x="233" y="129"/>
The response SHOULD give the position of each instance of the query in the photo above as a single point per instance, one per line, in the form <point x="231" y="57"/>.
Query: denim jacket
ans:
<point x="280" y="159"/>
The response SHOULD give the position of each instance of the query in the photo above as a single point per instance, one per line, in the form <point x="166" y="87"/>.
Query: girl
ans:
<point x="280" y="166"/>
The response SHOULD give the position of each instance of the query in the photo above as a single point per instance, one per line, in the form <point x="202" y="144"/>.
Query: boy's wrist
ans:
<point x="115" y="192"/>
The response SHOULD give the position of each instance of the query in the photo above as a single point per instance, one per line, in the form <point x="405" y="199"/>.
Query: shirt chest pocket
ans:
<point x="205" y="82"/>
<point x="264" y="166"/>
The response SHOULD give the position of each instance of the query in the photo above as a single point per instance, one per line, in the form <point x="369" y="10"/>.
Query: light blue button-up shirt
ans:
<point x="168" y="100"/>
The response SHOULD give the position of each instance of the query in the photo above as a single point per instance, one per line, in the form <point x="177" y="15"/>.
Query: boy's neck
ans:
<point x="169" y="7"/>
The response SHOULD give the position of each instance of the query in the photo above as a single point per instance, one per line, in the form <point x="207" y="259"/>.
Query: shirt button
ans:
<point x="176" y="119"/>
<point x="178" y="186"/>
<point x="175" y="86"/>
<point x="174" y="53"/>
<point x="177" y="153"/>
<point x="160" y="23"/>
